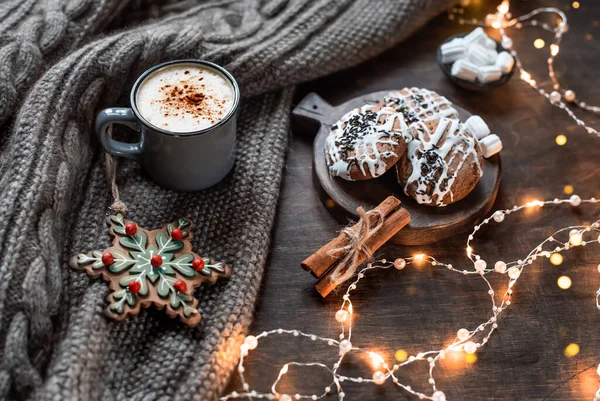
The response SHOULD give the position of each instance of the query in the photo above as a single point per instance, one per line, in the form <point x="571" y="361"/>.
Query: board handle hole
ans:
<point x="315" y="107"/>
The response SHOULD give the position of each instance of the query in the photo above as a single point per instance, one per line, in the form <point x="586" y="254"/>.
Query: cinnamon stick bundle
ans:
<point x="319" y="262"/>
<point x="393" y="223"/>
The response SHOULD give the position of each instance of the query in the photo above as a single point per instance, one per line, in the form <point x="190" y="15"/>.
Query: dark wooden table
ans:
<point x="422" y="308"/>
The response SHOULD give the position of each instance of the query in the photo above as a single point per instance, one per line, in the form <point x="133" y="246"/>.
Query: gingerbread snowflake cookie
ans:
<point x="443" y="162"/>
<point x="365" y="143"/>
<point x="417" y="104"/>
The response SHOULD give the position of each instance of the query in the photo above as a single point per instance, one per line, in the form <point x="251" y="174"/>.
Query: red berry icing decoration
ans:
<point x="156" y="260"/>
<point x="198" y="264"/>
<point x="130" y="228"/>
<point x="108" y="259"/>
<point x="177" y="234"/>
<point x="134" y="287"/>
<point x="180" y="286"/>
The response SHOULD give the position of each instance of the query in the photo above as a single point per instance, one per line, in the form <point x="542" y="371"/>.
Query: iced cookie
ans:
<point x="418" y="104"/>
<point x="442" y="163"/>
<point x="365" y="143"/>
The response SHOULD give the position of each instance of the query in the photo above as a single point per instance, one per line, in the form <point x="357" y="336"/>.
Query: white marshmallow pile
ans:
<point x="475" y="58"/>
<point x="490" y="143"/>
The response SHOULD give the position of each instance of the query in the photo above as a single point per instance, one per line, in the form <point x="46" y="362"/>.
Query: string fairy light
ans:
<point x="502" y="20"/>
<point x="467" y="340"/>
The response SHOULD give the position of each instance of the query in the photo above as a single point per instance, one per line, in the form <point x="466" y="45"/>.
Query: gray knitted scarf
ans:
<point x="55" y="73"/>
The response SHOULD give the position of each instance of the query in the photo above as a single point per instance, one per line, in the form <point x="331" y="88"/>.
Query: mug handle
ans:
<point x="118" y="115"/>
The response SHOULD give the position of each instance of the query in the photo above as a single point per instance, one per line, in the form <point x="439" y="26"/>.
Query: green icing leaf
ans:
<point x="119" y="230"/>
<point x="96" y="259"/>
<point x="188" y="310"/>
<point x="183" y="223"/>
<point x="122" y="297"/>
<point x="166" y="244"/>
<point x="118" y="219"/>
<point x="122" y="262"/>
<point x="138" y="242"/>
<point x="165" y="285"/>
<point x="175" y="301"/>
<point x="183" y="265"/>
<point x="170" y="228"/>
<point x="208" y="267"/>
<point x="117" y="307"/>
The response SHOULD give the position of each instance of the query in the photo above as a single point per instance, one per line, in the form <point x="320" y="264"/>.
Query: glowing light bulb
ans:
<point x="376" y="360"/>
<point x="251" y="342"/>
<point x="419" y="257"/>
<point x="341" y="315"/>
<point x="399" y="263"/>
<point x="345" y="346"/>
<point x="554" y="49"/>
<point x="575" y="200"/>
<point x="514" y="273"/>
<point x="496" y="24"/>
<point x="575" y="237"/>
<point x="463" y="334"/>
<point x="500" y="267"/>
<point x="480" y="266"/>
<point x="498" y="216"/>
<point x="503" y="7"/>
<point x="470" y="347"/>
<point x="379" y="377"/>
<point x="564" y="282"/>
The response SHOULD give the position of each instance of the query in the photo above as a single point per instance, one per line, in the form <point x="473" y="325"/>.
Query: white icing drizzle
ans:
<point x="427" y="155"/>
<point x="417" y="104"/>
<point x="360" y="131"/>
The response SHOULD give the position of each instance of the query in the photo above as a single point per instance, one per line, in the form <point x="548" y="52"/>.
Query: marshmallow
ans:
<point x="489" y="73"/>
<point x="490" y="145"/>
<point x="491" y="44"/>
<point x="505" y="62"/>
<point x="465" y="70"/>
<point x="480" y="55"/>
<point x="476" y="126"/>
<point x="478" y="36"/>
<point x="452" y="51"/>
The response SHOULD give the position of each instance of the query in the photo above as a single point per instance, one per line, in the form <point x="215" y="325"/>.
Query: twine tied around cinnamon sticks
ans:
<point x="357" y="244"/>
<point x="338" y="260"/>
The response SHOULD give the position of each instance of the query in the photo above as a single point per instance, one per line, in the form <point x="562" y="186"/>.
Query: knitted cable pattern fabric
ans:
<point x="55" y="343"/>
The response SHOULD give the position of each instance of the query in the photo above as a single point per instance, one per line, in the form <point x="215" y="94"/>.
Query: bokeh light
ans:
<point x="401" y="355"/>
<point x="561" y="140"/>
<point x="571" y="350"/>
<point x="568" y="189"/>
<point x="539" y="43"/>
<point x="564" y="282"/>
<point x="556" y="259"/>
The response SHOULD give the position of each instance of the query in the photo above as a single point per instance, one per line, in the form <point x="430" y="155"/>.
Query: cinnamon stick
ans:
<point x="320" y="261"/>
<point x="391" y="225"/>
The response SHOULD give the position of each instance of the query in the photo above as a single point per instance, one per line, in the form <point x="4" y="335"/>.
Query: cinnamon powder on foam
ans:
<point x="184" y="98"/>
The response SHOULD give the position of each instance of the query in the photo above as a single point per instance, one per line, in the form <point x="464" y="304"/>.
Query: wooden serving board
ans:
<point x="428" y="224"/>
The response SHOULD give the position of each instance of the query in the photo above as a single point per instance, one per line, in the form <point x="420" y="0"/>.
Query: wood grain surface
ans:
<point x="428" y="224"/>
<point x="422" y="308"/>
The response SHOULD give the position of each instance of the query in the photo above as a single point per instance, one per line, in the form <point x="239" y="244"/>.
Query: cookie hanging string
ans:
<point x="111" y="173"/>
